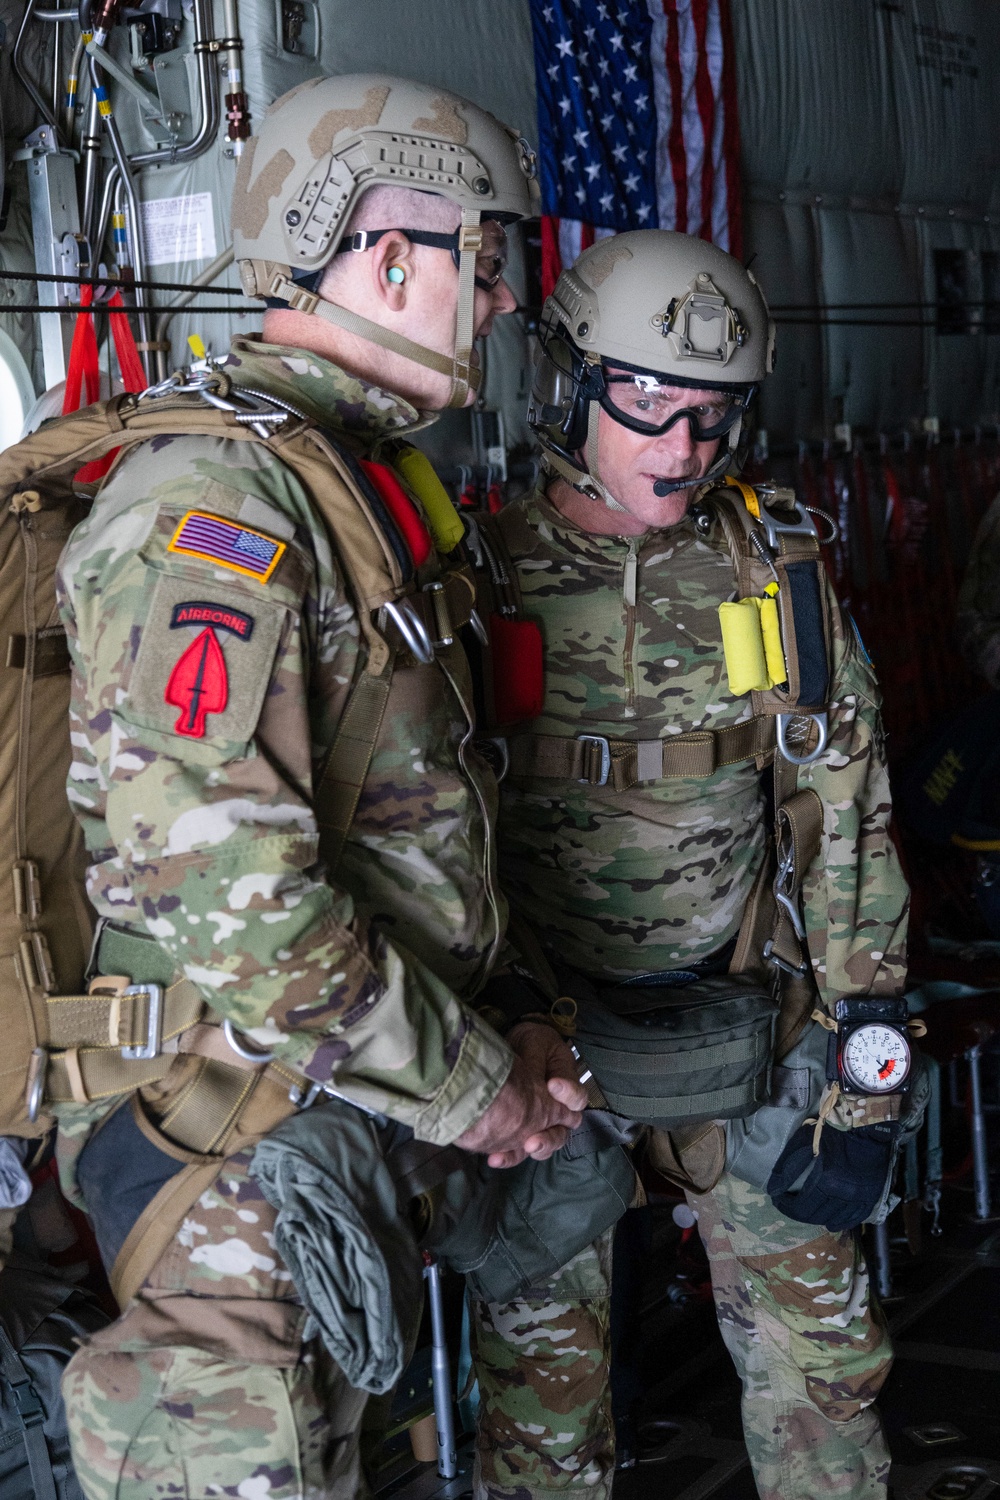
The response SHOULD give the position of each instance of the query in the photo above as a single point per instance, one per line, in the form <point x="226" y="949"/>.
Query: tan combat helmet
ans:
<point x="636" y="312"/>
<point x="323" y="144"/>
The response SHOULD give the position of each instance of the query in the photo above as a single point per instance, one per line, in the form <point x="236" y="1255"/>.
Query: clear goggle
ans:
<point x="491" y="260"/>
<point x="645" y="402"/>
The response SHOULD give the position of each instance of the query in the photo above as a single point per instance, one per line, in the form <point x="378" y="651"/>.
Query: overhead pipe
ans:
<point x="237" y="103"/>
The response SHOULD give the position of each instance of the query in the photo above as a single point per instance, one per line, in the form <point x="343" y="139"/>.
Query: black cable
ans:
<point x="120" y="285"/>
<point x="102" y="308"/>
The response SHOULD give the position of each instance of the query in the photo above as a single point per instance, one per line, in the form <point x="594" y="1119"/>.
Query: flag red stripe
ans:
<point x="731" y="134"/>
<point x="705" y="99"/>
<point x="551" y="259"/>
<point x="678" y="157"/>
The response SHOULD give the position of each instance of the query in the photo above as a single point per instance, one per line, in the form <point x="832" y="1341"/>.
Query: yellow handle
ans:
<point x="771" y="634"/>
<point x="442" y="518"/>
<point x="749" y="495"/>
<point x="743" y="643"/>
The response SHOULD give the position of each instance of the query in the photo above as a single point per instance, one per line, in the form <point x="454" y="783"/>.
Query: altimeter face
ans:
<point x="876" y="1059"/>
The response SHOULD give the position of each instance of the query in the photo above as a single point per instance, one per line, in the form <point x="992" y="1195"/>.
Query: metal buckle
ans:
<point x="822" y="724"/>
<point x="605" y="771"/>
<point x="229" y="1032"/>
<point x="412" y="628"/>
<point x="774" y="527"/>
<point x="154" y="1026"/>
<point x="779" y="963"/>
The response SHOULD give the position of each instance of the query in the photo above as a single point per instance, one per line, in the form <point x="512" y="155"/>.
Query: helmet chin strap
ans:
<point x="458" y="367"/>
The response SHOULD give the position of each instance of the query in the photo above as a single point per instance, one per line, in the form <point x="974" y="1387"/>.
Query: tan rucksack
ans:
<point x="46" y="923"/>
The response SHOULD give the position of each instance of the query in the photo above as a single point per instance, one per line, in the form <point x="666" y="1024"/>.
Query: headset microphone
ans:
<point x="661" y="488"/>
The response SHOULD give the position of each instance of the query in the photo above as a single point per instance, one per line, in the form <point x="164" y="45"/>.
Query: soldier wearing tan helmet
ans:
<point x="289" y="833"/>
<point x="692" y="653"/>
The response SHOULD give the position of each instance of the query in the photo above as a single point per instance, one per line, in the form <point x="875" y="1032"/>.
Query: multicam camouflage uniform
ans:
<point x="209" y="844"/>
<point x="620" y="883"/>
<point x="979" y="600"/>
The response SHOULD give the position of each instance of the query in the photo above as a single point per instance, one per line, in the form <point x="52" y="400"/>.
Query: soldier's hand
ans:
<point x="539" y="1105"/>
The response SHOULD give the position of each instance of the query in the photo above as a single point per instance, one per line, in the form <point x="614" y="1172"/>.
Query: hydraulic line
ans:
<point x="111" y="181"/>
<point x="25" y="81"/>
<point x="72" y="81"/>
<point x="163" y="321"/>
<point x="131" y="197"/>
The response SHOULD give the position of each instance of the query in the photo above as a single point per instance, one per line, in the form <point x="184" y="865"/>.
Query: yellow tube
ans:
<point x="444" y="521"/>
<point x="771" y="634"/>
<point x="743" y="644"/>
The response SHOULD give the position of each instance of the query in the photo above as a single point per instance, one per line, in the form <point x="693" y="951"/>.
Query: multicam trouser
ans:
<point x="811" y="1349"/>
<point x="545" y="1400"/>
<point x="204" y="1387"/>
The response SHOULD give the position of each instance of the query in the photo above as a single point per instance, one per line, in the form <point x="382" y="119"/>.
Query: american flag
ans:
<point x="637" y="122"/>
<point x="216" y="540"/>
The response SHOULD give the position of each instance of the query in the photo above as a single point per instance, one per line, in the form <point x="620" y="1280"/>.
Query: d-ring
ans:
<point x="229" y="1032"/>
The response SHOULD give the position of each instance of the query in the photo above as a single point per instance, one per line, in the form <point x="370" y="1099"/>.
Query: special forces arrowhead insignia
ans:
<point x="198" y="684"/>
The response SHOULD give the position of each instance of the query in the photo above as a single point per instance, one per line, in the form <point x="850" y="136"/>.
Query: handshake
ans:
<point x="539" y="1106"/>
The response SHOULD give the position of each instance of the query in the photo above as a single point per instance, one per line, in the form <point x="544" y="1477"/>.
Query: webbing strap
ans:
<point x="263" y="1107"/>
<point x="202" y="1114"/>
<point x="698" y="754"/>
<point x="82" y="1074"/>
<point x="339" y="789"/>
<point x="386" y="338"/>
<point x="32" y="1414"/>
<point x="642" y="1107"/>
<point x="696" y="1060"/>
<point x="113" y="1020"/>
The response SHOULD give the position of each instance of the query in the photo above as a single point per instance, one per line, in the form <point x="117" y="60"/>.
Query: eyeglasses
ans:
<point x="491" y="259"/>
<point x="646" y="403"/>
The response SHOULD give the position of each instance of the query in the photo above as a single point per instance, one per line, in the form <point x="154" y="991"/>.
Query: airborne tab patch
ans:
<point x="214" y="539"/>
<point x="221" y="616"/>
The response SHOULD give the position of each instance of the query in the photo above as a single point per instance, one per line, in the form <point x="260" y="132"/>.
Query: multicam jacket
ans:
<point x="620" y="883"/>
<point x="199" y="824"/>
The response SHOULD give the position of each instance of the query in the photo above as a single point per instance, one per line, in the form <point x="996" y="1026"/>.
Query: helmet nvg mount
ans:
<point x="323" y="144"/>
<point x="639" y="318"/>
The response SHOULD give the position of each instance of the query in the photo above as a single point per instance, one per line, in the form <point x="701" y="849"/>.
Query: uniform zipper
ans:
<point x="629" y="591"/>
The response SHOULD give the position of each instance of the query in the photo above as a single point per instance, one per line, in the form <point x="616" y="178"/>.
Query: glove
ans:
<point x="841" y="1186"/>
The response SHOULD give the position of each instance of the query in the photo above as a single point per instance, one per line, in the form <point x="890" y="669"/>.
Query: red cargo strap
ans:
<point x="84" y="369"/>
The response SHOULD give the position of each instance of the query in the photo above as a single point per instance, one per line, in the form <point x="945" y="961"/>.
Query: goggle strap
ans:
<point x="364" y="239"/>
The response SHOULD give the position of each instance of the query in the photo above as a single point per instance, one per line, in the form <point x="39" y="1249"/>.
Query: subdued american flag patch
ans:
<point x="216" y="540"/>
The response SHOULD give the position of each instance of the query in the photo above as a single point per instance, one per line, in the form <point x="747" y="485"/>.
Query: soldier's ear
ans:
<point x="392" y="269"/>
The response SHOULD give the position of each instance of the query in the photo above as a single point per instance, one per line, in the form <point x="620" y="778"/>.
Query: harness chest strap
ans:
<point x="622" y="764"/>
